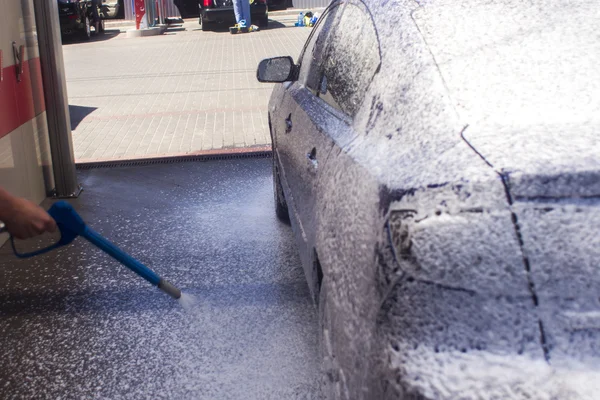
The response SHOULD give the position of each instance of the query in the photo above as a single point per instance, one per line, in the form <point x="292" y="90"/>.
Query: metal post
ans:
<point x="55" y="95"/>
<point x="151" y="12"/>
<point x="161" y="12"/>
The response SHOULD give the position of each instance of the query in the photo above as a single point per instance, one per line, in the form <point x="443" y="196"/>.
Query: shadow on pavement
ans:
<point x="174" y="30"/>
<point x="274" y="25"/>
<point x="78" y="113"/>
<point x="108" y="34"/>
<point x="224" y="28"/>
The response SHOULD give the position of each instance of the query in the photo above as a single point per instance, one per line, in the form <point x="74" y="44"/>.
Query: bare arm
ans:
<point x="23" y="218"/>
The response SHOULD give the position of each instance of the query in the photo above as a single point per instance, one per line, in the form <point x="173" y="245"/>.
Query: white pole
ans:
<point x="55" y="96"/>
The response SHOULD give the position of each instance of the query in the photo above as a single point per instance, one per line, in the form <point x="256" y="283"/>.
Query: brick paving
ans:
<point x="183" y="92"/>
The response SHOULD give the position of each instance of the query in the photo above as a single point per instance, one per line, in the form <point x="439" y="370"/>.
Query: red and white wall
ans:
<point x="24" y="147"/>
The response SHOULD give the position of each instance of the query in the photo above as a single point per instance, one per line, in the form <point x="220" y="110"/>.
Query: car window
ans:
<point x="350" y="60"/>
<point x="311" y="59"/>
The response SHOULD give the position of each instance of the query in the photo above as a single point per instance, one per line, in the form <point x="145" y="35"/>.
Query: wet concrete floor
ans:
<point x="75" y="324"/>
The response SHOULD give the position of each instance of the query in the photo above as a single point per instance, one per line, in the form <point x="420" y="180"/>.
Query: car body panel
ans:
<point x="454" y="217"/>
<point x="72" y="13"/>
<point x="277" y="4"/>
<point x="109" y="9"/>
<point x="303" y="153"/>
<point x="72" y="16"/>
<point x="227" y="16"/>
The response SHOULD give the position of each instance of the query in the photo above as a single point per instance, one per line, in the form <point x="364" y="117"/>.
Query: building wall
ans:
<point x="24" y="147"/>
<point x="307" y="4"/>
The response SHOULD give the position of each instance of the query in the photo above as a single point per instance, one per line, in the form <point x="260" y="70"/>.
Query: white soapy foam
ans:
<point x="187" y="301"/>
<point x="486" y="376"/>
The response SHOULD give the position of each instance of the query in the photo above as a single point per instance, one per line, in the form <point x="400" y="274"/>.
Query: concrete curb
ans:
<point x="203" y="155"/>
<point x="135" y="33"/>
<point x="119" y="24"/>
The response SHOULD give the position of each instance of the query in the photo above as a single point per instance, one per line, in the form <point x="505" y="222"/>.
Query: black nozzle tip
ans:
<point x="169" y="289"/>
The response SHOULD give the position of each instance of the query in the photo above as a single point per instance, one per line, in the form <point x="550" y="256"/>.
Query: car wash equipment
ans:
<point x="72" y="225"/>
<point x="307" y="17"/>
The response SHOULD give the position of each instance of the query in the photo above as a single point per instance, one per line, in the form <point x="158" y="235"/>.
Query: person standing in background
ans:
<point x="242" y="12"/>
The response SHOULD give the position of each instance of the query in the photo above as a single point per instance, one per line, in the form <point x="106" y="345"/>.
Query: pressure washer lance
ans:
<point x="71" y="225"/>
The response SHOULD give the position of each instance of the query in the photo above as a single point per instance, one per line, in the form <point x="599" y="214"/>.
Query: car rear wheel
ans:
<point x="100" y="27"/>
<point x="281" y="209"/>
<point x="206" y="26"/>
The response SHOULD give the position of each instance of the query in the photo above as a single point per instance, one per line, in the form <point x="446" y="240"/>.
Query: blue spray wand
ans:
<point x="72" y="225"/>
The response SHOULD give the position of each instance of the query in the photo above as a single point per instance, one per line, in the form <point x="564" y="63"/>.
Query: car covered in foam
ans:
<point x="439" y="161"/>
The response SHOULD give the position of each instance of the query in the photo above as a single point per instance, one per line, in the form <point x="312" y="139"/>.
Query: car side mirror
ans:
<point x="277" y="70"/>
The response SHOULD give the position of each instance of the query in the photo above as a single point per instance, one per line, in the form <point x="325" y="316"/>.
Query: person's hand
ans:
<point x="24" y="219"/>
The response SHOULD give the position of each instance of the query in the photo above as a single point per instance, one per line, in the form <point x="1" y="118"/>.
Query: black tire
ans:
<point x="86" y="33"/>
<point x="263" y="22"/>
<point x="281" y="208"/>
<point x="206" y="26"/>
<point x="100" y="27"/>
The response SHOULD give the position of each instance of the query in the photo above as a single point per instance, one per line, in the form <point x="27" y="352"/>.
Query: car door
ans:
<point x="334" y="76"/>
<point x="298" y="147"/>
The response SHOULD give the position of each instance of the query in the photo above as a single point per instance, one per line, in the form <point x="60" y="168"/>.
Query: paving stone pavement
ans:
<point x="183" y="92"/>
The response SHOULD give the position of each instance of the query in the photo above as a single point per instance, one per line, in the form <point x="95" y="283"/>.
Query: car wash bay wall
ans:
<point x="24" y="147"/>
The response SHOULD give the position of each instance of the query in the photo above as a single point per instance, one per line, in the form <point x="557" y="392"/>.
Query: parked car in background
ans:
<point x="82" y="17"/>
<point x="110" y="9"/>
<point x="439" y="162"/>
<point x="187" y="8"/>
<point x="215" y="13"/>
<point x="278" y="4"/>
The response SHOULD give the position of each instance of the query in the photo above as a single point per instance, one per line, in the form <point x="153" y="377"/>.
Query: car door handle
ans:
<point x="288" y="124"/>
<point x="312" y="157"/>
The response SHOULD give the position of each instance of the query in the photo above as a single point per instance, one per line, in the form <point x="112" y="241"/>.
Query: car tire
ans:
<point x="100" y="27"/>
<point x="86" y="34"/>
<point x="281" y="208"/>
<point x="206" y="26"/>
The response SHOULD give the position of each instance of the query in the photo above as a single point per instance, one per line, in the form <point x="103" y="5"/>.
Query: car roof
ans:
<point x="517" y="81"/>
